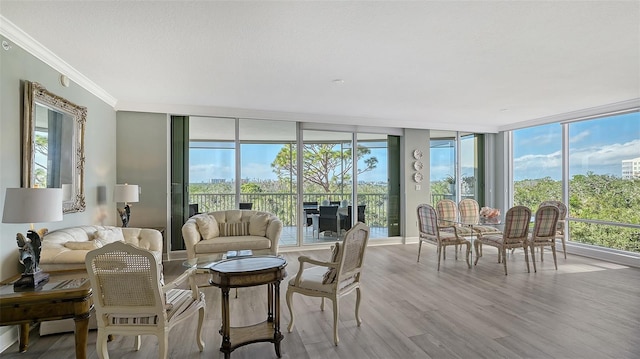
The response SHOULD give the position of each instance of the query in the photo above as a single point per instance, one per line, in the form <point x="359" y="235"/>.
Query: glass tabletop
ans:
<point x="200" y="262"/>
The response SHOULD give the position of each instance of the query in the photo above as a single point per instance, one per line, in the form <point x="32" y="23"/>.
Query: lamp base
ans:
<point x="31" y="281"/>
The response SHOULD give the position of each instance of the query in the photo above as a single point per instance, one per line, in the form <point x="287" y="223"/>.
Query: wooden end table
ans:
<point x="66" y="295"/>
<point x="248" y="272"/>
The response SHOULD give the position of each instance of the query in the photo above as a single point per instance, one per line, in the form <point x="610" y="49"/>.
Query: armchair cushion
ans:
<point x="224" y="244"/>
<point x="258" y="224"/>
<point x="208" y="226"/>
<point x="330" y="275"/>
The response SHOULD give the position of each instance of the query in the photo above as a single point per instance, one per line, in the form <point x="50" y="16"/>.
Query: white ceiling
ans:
<point x="466" y="65"/>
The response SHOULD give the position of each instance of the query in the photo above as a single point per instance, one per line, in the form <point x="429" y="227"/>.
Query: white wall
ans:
<point x="142" y="159"/>
<point x="415" y="140"/>
<point x="100" y="153"/>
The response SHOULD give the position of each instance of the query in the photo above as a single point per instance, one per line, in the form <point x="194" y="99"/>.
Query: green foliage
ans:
<point x="591" y="196"/>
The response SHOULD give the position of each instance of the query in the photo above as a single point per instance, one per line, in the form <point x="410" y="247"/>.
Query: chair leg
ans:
<point x="564" y="246"/>
<point x="322" y="304"/>
<point x="553" y="251"/>
<point x="504" y="259"/>
<point x="163" y="345"/>
<point x="101" y="345"/>
<point x="419" y="249"/>
<point x="439" y="254"/>
<point x="136" y="343"/>
<point x="358" y="295"/>
<point x="526" y="257"/>
<point x="533" y="257"/>
<point x="199" y="332"/>
<point x="336" y="312"/>
<point x="291" y="321"/>
<point x="467" y="254"/>
<point x="477" y="246"/>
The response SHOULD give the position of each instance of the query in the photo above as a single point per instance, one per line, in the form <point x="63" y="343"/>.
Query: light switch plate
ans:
<point x="417" y="187"/>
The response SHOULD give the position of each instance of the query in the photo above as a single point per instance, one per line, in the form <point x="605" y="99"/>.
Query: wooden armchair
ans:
<point x="429" y="230"/>
<point x="514" y="236"/>
<point x="130" y="300"/>
<point x="544" y="232"/>
<point x="333" y="279"/>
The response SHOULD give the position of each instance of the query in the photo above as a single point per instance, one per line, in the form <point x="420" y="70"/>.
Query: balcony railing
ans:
<point x="284" y="205"/>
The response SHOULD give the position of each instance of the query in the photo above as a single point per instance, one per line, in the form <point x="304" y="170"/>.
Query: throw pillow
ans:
<point x="258" y="224"/>
<point x="234" y="229"/>
<point x="105" y="236"/>
<point x="331" y="274"/>
<point x="207" y="226"/>
<point x="83" y="246"/>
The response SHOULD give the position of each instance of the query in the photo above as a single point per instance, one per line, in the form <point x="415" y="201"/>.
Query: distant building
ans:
<point x="217" y="180"/>
<point x="631" y="168"/>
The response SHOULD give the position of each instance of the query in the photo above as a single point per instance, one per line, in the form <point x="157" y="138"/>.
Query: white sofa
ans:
<point x="65" y="249"/>
<point x="231" y="230"/>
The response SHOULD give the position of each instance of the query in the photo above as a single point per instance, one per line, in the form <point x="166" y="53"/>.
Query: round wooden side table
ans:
<point x="248" y="272"/>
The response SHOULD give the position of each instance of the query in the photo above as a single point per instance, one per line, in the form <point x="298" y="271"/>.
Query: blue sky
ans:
<point x="595" y="145"/>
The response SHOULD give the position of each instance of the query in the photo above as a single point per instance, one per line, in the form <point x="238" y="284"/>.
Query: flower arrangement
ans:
<point x="488" y="212"/>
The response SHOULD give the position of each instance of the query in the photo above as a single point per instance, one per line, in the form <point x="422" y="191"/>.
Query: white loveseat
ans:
<point x="231" y="230"/>
<point x="66" y="249"/>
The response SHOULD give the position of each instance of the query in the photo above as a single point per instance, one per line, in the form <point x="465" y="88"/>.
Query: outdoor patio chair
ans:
<point x="328" y="220"/>
<point x="130" y="300"/>
<point x="333" y="279"/>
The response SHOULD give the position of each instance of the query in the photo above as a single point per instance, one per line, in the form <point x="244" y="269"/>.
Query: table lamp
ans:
<point x="125" y="193"/>
<point x="31" y="205"/>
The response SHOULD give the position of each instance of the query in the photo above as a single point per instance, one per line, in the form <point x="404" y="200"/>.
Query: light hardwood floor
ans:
<point x="585" y="309"/>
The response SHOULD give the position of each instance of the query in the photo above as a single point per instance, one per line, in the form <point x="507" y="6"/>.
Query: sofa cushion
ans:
<point x="224" y="244"/>
<point x="108" y="235"/>
<point x="207" y="226"/>
<point x="234" y="229"/>
<point x="258" y="224"/>
<point x="87" y="246"/>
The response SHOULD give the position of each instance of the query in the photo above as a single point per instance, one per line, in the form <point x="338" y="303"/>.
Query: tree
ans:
<point x="323" y="164"/>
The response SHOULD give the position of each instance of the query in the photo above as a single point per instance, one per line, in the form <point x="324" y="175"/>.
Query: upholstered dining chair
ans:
<point x="130" y="300"/>
<point x="514" y="236"/>
<point x="562" y="219"/>
<point x="334" y="279"/>
<point x="447" y="217"/>
<point x="544" y="232"/>
<point x="429" y="230"/>
<point x="470" y="215"/>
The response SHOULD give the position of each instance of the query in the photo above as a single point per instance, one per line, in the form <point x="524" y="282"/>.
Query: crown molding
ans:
<point x="29" y="44"/>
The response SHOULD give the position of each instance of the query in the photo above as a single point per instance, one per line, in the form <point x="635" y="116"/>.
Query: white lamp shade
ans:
<point x="126" y="193"/>
<point x="32" y="205"/>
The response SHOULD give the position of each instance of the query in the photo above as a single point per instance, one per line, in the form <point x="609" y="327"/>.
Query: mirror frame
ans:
<point x="34" y="93"/>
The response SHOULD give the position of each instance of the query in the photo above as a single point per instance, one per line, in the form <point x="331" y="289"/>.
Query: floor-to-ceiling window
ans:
<point x="457" y="166"/>
<point x="247" y="163"/>
<point x="589" y="164"/>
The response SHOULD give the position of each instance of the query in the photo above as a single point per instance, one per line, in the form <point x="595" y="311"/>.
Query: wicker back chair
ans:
<point x="514" y="236"/>
<point x="544" y="232"/>
<point x="335" y="278"/>
<point x="130" y="300"/>
<point x="429" y="230"/>
<point x="470" y="215"/>
<point x="562" y="219"/>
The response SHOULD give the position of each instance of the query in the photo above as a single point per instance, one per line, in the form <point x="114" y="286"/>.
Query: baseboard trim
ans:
<point x="8" y="337"/>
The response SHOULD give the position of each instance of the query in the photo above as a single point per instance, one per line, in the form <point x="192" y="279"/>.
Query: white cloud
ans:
<point x="579" y="137"/>
<point x="605" y="155"/>
<point x="530" y="163"/>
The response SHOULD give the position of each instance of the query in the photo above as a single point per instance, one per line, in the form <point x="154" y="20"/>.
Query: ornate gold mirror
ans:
<point x="53" y="145"/>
